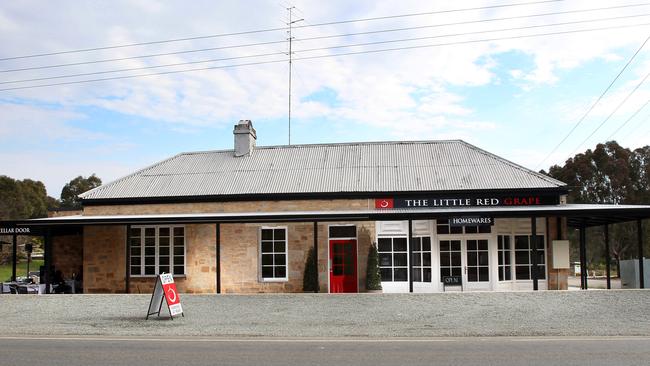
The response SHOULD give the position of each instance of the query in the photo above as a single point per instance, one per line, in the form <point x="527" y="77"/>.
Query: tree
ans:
<point x="26" y="199"/>
<point x="608" y="174"/>
<point x="71" y="191"/>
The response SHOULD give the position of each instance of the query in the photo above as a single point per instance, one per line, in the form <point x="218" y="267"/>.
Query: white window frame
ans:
<point x="157" y="250"/>
<point x="463" y="230"/>
<point x="420" y="253"/>
<point x="510" y="253"/>
<point x="286" y="254"/>
<point x="530" y="257"/>
<point x="392" y="253"/>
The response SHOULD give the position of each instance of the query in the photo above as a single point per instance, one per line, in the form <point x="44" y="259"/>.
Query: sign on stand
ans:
<point x="452" y="281"/>
<point x="165" y="288"/>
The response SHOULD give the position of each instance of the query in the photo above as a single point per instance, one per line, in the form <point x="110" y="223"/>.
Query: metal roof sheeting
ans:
<point x="327" y="168"/>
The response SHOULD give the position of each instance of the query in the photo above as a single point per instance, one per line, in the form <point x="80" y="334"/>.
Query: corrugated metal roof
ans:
<point x="327" y="168"/>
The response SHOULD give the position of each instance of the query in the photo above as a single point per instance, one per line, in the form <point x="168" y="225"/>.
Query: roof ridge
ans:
<point x="515" y="165"/>
<point x="269" y="147"/>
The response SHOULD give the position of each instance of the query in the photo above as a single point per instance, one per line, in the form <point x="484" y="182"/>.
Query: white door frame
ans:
<point x="463" y="238"/>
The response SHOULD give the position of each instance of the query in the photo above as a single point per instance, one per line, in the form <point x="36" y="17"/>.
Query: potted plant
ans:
<point x="310" y="277"/>
<point x="373" y="279"/>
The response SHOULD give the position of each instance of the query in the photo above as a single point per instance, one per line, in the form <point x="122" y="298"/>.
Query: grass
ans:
<point x="21" y="269"/>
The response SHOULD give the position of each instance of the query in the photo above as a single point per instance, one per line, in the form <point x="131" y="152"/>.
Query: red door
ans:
<point x="343" y="266"/>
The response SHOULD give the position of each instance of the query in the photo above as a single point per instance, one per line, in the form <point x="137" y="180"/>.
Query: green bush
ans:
<point x="310" y="277"/>
<point x="373" y="279"/>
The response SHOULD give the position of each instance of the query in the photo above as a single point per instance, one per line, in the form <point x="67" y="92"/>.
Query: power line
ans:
<point x="328" y="36"/>
<point x="303" y="26"/>
<point x="629" y="119"/>
<point x="328" y="56"/>
<point x="613" y="112"/>
<point x="641" y="123"/>
<point x="332" y="36"/>
<point x="143" y="56"/>
<point x="476" y="21"/>
<point x="467" y="33"/>
<point x="143" y="68"/>
<point x="313" y="49"/>
<point x="594" y="104"/>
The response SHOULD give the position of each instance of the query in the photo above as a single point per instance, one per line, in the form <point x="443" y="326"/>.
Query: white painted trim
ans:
<point x="286" y="254"/>
<point x="517" y="227"/>
<point x="157" y="250"/>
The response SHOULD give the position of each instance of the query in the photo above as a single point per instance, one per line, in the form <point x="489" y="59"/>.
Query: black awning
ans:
<point x="577" y="215"/>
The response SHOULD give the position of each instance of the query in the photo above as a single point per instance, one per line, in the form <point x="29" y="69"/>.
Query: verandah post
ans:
<point x="639" y="233"/>
<point x="533" y="244"/>
<point x="14" y="257"/>
<point x="607" y="258"/>
<point x="410" y="257"/>
<point x="317" y="289"/>
<point x="583" y="257"/>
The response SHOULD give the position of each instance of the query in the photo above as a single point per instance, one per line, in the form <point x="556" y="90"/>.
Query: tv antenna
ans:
<point x="290" y="39"/>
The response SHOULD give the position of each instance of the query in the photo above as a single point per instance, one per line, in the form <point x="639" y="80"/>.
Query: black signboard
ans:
<point x="452" y="281"/>
<point x="471" y="221"/>
<point x="21" y="230"/>
<point x="470" y="200"/>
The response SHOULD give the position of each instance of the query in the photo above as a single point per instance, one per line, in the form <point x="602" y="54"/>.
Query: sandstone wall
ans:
<point x="104" y="259"/>
<point x="67" y="254"/>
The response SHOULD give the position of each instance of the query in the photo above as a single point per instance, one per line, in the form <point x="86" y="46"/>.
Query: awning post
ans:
<point x="127" y="274"/>
<point x="583" y="257"/>
<point x="607" y="258"/>
<point x="410" y="257"/>
<point x="317" y="289"/>
<point x="218" y="255"/>
<point x="533" y="244"/>
<point x="639" y="232"/>
<point x="47" y="260"/>
<point x="14" y="257"/>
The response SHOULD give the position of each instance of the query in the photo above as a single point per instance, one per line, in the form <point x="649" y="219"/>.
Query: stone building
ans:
<point x="243" y="220"/>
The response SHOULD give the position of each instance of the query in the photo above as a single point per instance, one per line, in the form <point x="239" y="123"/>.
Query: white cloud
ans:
<point x="29" y="122"/>
<point x="424" y="88"/>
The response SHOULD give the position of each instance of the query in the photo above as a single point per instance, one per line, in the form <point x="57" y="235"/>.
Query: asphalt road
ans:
<point x="502" y="351"/>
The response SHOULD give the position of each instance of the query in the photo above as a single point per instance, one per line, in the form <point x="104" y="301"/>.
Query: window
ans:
<point x="343" y="231"/>
<point x="504" y="251"/>
<point x="421" y="259"/>
<point x="273" y="253"/>
<point x="443" y="227"/>
<point x="478" y="261"/>
<point x="157" y="249"/>
<point x="523" y="257"/>
<point x="393" y="256"/>
<point x="450" y="262"/>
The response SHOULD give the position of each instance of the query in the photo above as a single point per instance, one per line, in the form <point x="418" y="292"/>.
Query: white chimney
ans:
<point x="245" y="137"/>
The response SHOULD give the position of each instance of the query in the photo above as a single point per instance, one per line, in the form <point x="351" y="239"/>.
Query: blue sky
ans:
<point x="514" y="97"/>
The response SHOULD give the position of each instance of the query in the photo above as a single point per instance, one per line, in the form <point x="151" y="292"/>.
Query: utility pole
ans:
<point x="290" y="24"/>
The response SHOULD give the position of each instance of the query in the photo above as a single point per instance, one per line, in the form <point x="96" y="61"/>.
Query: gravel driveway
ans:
<point x="544" y="313"/>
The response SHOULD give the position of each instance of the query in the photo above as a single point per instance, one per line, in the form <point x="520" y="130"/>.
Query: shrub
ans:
<point x="310" y="277"/>
<point x="373" y="279"/>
